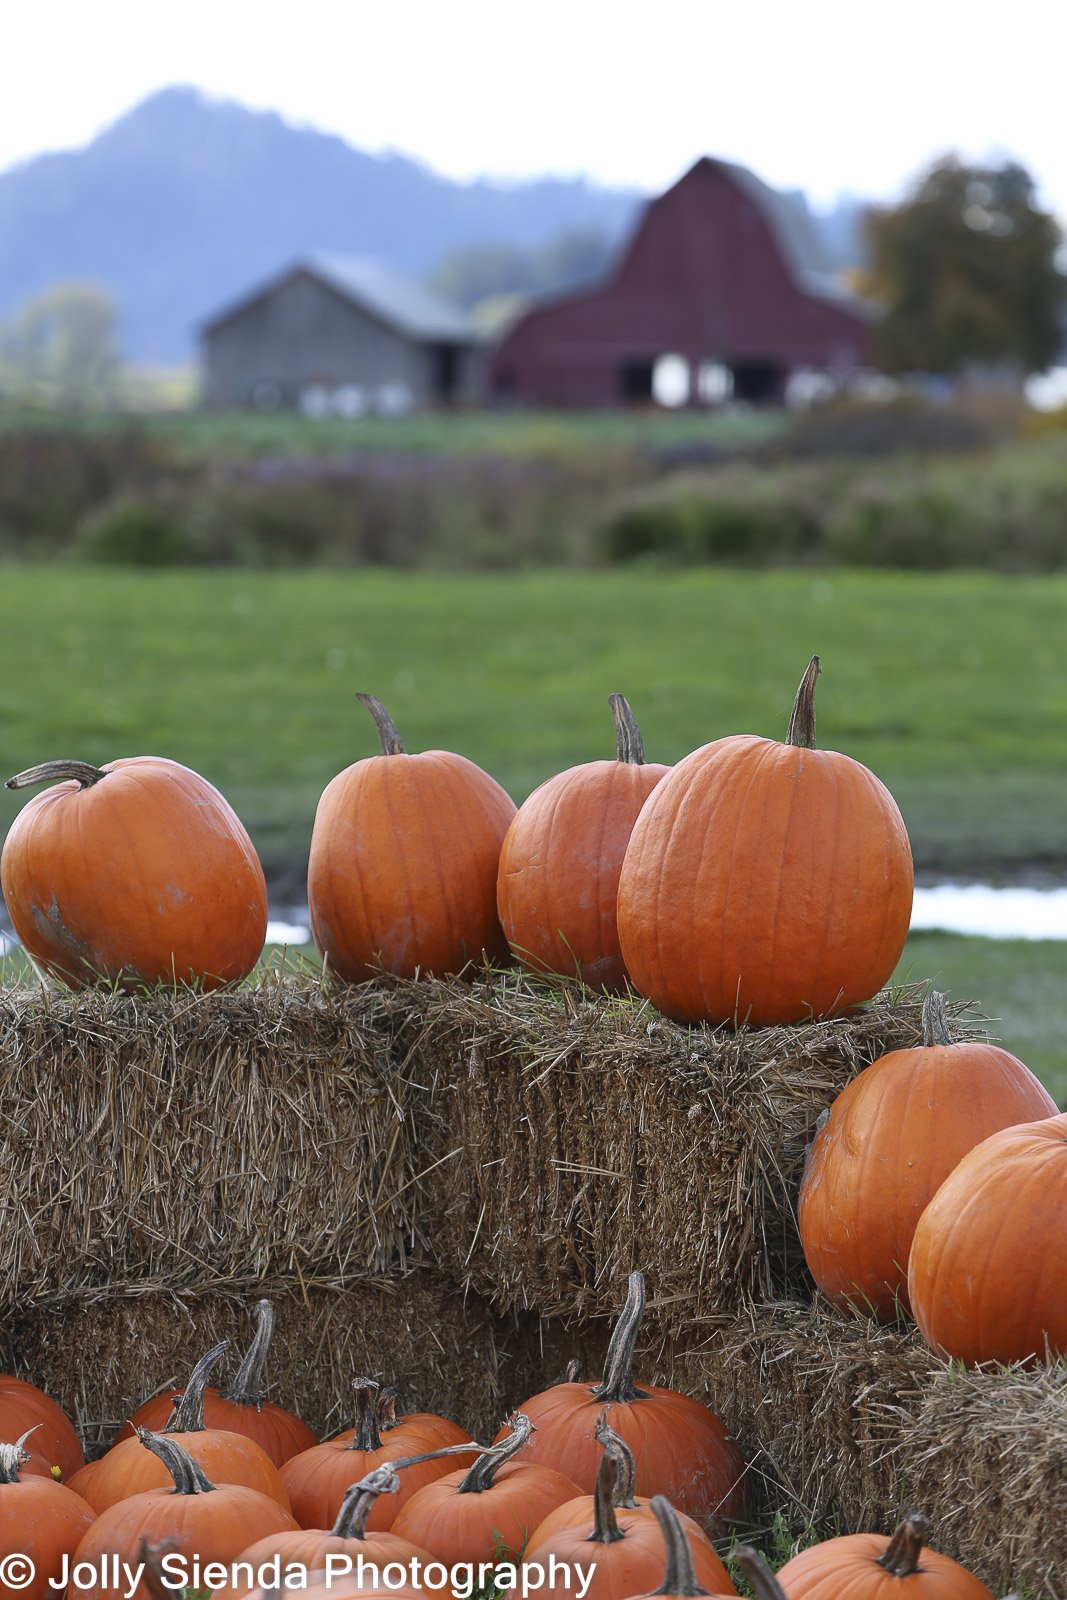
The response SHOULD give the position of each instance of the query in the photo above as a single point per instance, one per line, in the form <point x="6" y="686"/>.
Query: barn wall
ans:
<point x="703" y="278"/>
<point x="302" y="334"/>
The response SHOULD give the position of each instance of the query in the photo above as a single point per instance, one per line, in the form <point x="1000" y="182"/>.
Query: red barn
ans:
<point x="720" y="271"/>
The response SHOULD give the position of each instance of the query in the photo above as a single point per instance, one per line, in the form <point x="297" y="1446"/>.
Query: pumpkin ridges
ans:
<point x="853" y="1565"/>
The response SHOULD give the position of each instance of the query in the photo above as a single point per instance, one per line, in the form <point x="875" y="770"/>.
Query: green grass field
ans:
<point x="952" y="687"/>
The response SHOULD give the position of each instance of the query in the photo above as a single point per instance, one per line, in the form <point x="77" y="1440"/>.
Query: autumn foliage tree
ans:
<point x="966" y="266"/>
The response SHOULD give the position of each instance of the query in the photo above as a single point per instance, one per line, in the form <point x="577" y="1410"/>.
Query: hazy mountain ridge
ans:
<point x="185" y="202"/>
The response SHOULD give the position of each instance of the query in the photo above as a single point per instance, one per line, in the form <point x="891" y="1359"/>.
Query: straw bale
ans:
<point x="182" y="1141"/>
<point x="100" y="1358"/>
<point x="577" y="1139"/>
<point x="847" y="1424"/>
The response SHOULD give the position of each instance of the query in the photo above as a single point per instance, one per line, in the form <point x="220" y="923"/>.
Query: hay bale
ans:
<point x="848" y="1424"/>
<point x="258" y="1137"/>
<point x="100" y="1358"/>
<point x="577" y="1139"/>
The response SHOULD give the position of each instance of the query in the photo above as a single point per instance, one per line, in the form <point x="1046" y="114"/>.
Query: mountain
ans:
<point x="185" y="202"/>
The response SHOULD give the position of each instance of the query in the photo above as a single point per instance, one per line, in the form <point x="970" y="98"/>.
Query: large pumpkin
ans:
<point x="890" y="1140"/>
<point x="765" y="882"/>
<point x="681" y="1449"/>
<point x="138" y="872"/>
<point x="404" y="857"/>
<point x="870" y="1566"/>
<point x="985" y="1275"/>
<point x="561" y="859"/>
<point x="192" y="1518"/>
<point x="239" y="1407"/>
<point x="41" y="1522"/>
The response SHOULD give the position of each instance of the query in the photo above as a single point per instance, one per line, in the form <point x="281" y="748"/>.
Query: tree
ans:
<point x="490" y="271"/>
<point x="61" y="347"/>
<point x="967" y="268"/>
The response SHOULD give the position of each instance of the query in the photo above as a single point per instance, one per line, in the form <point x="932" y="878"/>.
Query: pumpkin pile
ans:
<point x="559" y="1498"/>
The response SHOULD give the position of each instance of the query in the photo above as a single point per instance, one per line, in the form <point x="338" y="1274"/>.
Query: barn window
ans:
<point x="670" y="381"/>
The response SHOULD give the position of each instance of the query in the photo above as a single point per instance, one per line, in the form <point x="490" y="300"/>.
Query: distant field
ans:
<point x="254" y="434"/>
<point x="952" y="687"/>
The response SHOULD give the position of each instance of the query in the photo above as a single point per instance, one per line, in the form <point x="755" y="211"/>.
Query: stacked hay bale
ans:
<point x="447" y="1183"/>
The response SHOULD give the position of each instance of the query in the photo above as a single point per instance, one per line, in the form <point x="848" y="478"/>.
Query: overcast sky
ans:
<point x="816" y="94"/>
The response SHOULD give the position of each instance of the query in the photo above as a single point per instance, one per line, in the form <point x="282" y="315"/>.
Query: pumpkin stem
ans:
<point x="388" y="733"/>
<point x="189" y="1476"/>
<point x="481" y="1475"/>
<point x="902" y="1553"/>
<point x="367" y="1436"/>
<point x="802" y="722"/>
<point x="150" y="1556"/>
<point x="618" y="1381"/>
<point x="188" y="1413"/>
<point x="247" y="1387"/>
<point x="935" y="1020"/>
<point x="623" y="1458"/>
<point x="573" y="1373"/>
<point x="629" y="746"/>
<point x="387" y="1417"/>
<point x="56" y="772"/>
<point x="13" y="1457"/>
<point x="606" y="1528"/>
<point x="468" y="1447"/>
<point x="679" y="1578"/>
<point x="358" y="1502"/>
<point x="761" y="1579"/>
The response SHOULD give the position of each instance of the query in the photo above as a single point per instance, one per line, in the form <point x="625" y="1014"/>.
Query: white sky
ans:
<point x="817" y="94"/>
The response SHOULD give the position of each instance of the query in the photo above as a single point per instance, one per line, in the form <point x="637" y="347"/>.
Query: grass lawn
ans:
<point x="952" y="687"/>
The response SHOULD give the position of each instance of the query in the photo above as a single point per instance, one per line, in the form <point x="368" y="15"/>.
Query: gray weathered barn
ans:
<point x="336" y="333"/>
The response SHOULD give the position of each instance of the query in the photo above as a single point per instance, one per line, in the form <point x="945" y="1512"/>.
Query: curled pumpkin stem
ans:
<point x="483" y="1472"/>
<point x="358" y="1502"/>
<point x="618" y="1382"/>
<point x="619" y="1453"/>
<point x="13" y="1457"/>
<point x="57" y="772"/>
<point x="247" y="1386"/>
<point x="802" y="722"/>
<point x="902" y="1553"/>
<point x="680" y="1577"/>
<point x="188" y="1413"/>
<point x="189" y="1476"/>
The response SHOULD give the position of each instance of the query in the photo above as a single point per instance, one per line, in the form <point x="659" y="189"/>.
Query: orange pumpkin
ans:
<point x="562" y="855"/>
<point x="40" y="1521"/>
<point x="415" y="1432"/>
<point x="192" y="1517"/>
<point x="25" y="1407"/>
<point x="487" y="1512"/>
<point x="240" y="1407"/>
<point x="404" y="856"/>
<point x="890" y="1140"/>
<point x="624" y="1547"/>
<point x="138" y="872"/>
<point x="317" y="1480"/>
<point x="682" y="1571"/>
<point x="870" y="1566"/>
<point x="765" y="882"/>
<point x="309" y="1549"/>
<point x="681" y="1448"/>
<point x="129" y="1469"/>
<point x="985" y="1275"/>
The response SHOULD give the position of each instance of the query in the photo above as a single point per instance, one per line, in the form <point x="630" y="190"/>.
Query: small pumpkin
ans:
<point x="318" y="1479"/>
<point x="623" y="1546"/>
<point x="134" y="873"/>
<point x="403" y="866"/>
<point x="26" y="1408"/>
<point x="192" y="1517"/>
<point x="681" y="1448"/>
<point x="239" y="1407"/>
<point x="309" y="1549"/>
<point x="765" y="882"/>
<point x="985" y="1274"/>
<point x="40" y="1520"/>
<point x="870" y="1566"/>
<point x="559" y="866"/>
<point x="415" y="1431"/>
<point x="890" y="1140"/>
<point x="228" y="1458"/>
<point x="487" y="1512"/>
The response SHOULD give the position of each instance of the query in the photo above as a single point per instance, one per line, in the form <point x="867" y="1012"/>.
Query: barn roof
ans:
<point x="407" y="307"/>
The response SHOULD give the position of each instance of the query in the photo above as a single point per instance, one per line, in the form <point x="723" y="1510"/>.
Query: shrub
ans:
<point x="133" y="530"/>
